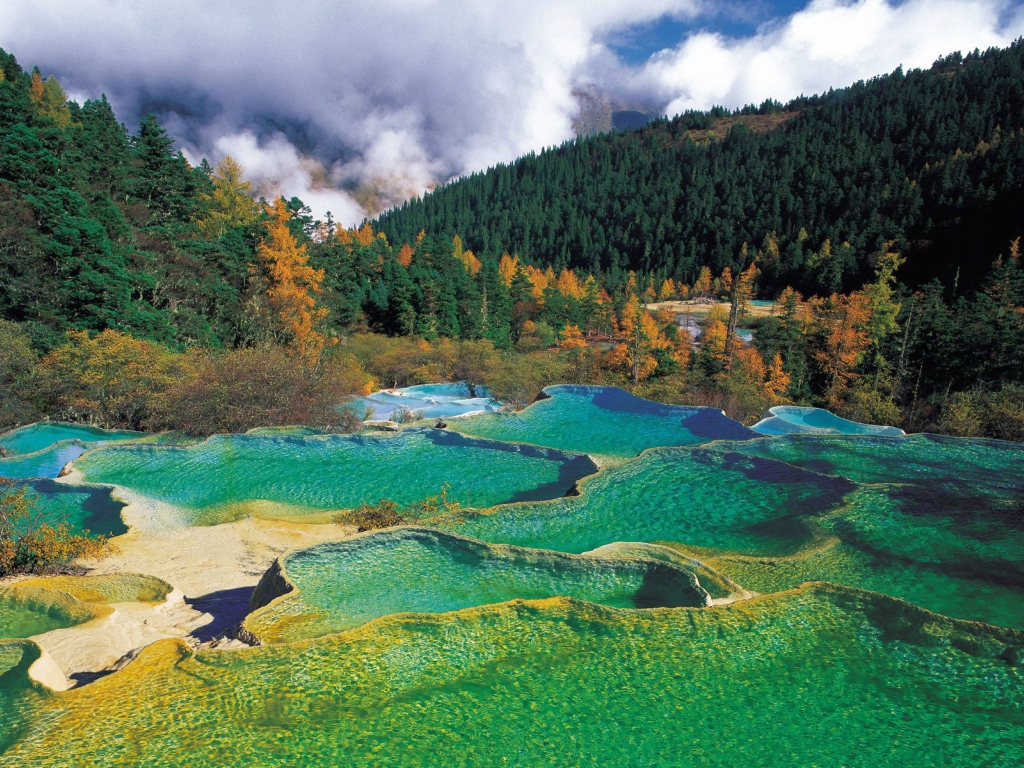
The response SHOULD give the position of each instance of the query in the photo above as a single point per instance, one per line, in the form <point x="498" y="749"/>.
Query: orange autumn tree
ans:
<point x="571" y="338"/>
<point x="703" y="284"/>
<point x="841" y="329"/>
<point x="292" y="285"/>
<point x="405" y="254"/>
<point x="507" y="268"/>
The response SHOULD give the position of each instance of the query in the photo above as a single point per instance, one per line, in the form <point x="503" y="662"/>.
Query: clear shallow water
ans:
<point x="430" y="401"/>
<point x="947" y="534"/>
<point x="232" y="476"/>
<point x="604" y="421"/>
<point x="921" y="552"/>
<point x="42" y="449"/>
<point x="31" y="610"/>
<point x="964" y="471"/>
<point x="815" y="677"/>
<point x="343" y="585"/>
<point x="36" y="437"/>
<point x="791" y="419"/>
<point x="82" y="508"/>
<point x="701" y="497"/>
<point x="47" y="462"/>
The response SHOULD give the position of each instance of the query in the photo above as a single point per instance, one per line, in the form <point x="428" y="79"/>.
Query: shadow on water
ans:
<point x="714" y="425"/>
<point x="764" y="470"/>
<point x="657" y="591"/>
<point x="568" y="475"/>
<point x="990" y="571"/>
<point x="102" y="511"/>
<point x="227" y="607"/>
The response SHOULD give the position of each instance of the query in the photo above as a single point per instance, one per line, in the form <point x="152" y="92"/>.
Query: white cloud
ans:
<point x="828" y="44"/>
<point x="391" y="96"/>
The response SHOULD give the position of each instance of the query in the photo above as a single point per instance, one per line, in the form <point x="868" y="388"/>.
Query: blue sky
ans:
<point x="732" y="19"/>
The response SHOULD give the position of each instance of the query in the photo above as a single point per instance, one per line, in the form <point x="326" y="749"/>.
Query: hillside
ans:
<point x="933" y="160"/>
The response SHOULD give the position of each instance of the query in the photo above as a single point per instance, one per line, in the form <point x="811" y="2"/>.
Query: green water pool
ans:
<point x="947" y="533"/>
<point x="603" y="421"/>
<point x="702" y="497"/>
<point x="36" y="437"/>
<point x="820" y="676"/>
<point x="339" y="586"/>
<point x="231" y="476"/>
<point x="32" y="610"/>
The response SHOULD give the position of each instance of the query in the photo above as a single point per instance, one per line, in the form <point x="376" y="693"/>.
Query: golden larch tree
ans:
<point x="507" y="268"/>
<point x="230" y="204"/>
<point x="292" y="285"/>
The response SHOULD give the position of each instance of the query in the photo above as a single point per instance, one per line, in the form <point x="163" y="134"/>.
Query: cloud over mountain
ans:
<point x="356" y="105"/>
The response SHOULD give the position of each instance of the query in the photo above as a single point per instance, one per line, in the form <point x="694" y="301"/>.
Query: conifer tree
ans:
<point x="292" y="285"/>
<point x="230" y="204"/>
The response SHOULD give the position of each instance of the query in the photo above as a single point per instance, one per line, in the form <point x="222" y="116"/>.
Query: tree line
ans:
<point x="140" y="291"/>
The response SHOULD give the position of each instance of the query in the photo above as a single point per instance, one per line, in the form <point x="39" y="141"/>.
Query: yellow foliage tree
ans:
<point x="571" y="338"/>
<point x="703" y="284"/>
<point x="725" y="281"/>
<point x="292" y="285"/>
<point x="840" y="324"/>
<point x="231" y="203"/>
<point x="467" y="257"/>
<point x="569" y="285"/>
<point x="778" y="380"/>
<point x="405" y="254"/>
<point x="667" y="290"/>
<point x="110" y="379"/>
<point x="507" y="268"/>
<point x="538" y="281"/>
<point x="49" y="99"/>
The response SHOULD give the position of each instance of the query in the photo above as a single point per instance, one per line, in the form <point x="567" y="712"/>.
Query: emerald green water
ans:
<point x="604" y="421"/>
<point x="18" y="698"/>
<point x="701" y="497"/>
<point x="948" y="534"/>
<point x="21" y="618"/>
<point x="42" y="450"/>
<point x="414" y="646"/>
<point x="964" y="569"/>
<point x="232" y="476"/>
<point x="963" y="469"/>
<point x="342" y="585"/>
<point x="82" y="508"/>
<point x="815" y="677"/>
<point x="31" y="610"/>
<point x="36" y="437"/>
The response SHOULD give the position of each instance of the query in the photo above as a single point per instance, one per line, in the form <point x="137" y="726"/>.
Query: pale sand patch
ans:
<point x="211" y="569"/>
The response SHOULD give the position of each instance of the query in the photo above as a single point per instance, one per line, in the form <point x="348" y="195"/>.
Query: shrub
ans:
<point x="28" y="544"/>
<point x="261" y="387"/>
<point x="387" y="514"/>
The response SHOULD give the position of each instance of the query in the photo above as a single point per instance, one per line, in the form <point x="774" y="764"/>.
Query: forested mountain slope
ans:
<point x="933" y="160"/>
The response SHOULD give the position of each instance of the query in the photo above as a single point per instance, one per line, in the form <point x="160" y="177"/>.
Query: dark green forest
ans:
<point x="932" y="160"/>
<point x="885" y="219"/>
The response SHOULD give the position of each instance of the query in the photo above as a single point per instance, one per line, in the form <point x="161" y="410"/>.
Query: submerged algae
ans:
<point x="930" y="555"/>
<point x="843" y="677"/>
<point x="701" y="497"/>
<point x="947" y="533"/>
<point x="33" y="609"/>
<point x="341" y="585"/>
<point x="228" y="477"/>
<point x="604" y="421"/>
